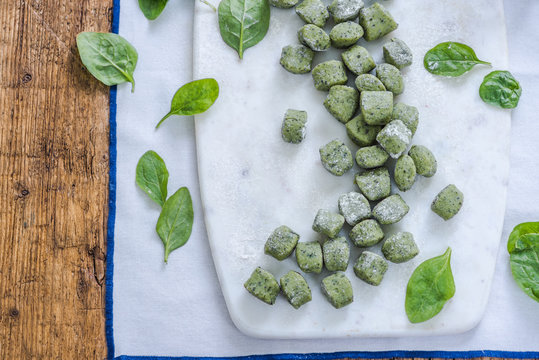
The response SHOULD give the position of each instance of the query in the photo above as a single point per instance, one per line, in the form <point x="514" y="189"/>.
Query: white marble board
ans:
<point x="251" y="181"/>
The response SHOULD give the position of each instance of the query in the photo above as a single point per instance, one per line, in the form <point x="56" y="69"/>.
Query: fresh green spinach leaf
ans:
<point x="152" y="176"/>
<point x="519" y="230"/>
<point x="451" y="59"/>
<point x="193" y="98"/>
<point x="524" y="261"/>
<point x="176" y="221"/>
<point x="429" y="288"/>
<point x="108" y="57"/>
<point x="243" y="23"/>
<point x="500" y="88"/>
<point x="152" y="8"/>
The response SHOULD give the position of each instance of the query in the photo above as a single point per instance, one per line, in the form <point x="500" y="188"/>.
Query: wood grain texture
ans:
<point x="53" y="182"/>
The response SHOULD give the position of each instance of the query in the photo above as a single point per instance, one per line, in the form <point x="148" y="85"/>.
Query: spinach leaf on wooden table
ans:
<point x="500" y="88"/>
<point x="243" y="23"/>
<point x="152" y="176"/>
<point x="152" y="8"/>
<point x="176" y="221"/>
<point x="108" y="57"/>
<point x="451" y="59"/>
<point x="429" y="288"/>
<point x="193" y="98"/>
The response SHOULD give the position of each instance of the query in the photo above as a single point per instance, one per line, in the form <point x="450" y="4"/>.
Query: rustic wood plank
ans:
<point x="53" y="182"/>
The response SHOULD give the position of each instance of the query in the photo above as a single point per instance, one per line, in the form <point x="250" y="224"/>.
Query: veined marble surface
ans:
<point x="252" y="182"/>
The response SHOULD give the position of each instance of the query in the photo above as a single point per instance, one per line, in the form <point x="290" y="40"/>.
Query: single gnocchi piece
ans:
<point x="345" y="10"/>
<point x="281" y="243"/>
<point x="397" y="53"/>
<point x="407" y="114"/>
<point x="371" y="268"/>
<point x="371" y="157"/>
<point x="368" y="82"/>
<point x="367" y="233"/>
<point x="425" y="162"/>
<point x="336" y="157"/>
<point x="328" y="223"/>
<point x="313" y="12"/>
<point x="376" y="107"/>
<point x="295" y="289"/>
<point x="345" y="34"/>
<point x="284" y="4"/>
<point x="374" y="184"/>
<point x="361" y="133"/>
<point x="338" y="290"/>
<point x="328" y="74"/>
<point x="293" y="128"/>
<point x="376" y="21"/>
<point x="297" y="59"/>
<point x="391" y="77"/>
<point x="354" y="207"/>
<point x="314" y="38"/>
<point x="358" y="60"/>
<point x="342" y="102"/>
<point x="394" y="138"/>
<point x="390" y="210"/>
<point x="404" y="173"/>
<point x="400" y="247"/>
<point x="448" y="202"/>
<point x="309" y="257"/>
<point x="262" y="285"/>
<point x="336" y="254"/>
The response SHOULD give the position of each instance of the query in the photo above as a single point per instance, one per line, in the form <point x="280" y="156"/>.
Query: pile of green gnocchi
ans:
<point x="381" y="128"/>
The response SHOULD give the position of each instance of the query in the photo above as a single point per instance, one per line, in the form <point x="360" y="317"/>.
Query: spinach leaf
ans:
<point x="193" y="98"/>
<point x="429" y="288"/>
<point x="176" y="221"/>
<point x="519" y="230"/>
<point x="451" y="59"/>
<point x="152" y="8"/>
<point x="243" y="23"/>
<point x="108" y="57"/>
<point x="524" y="260"/>
<point x="500" y="88"/>
<point x="152" y="176"/>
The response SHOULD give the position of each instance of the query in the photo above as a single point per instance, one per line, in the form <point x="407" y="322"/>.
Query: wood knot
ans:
<point x="25" y="192"/>
<point x="14" y="312"/>
<point x="26" y="78"/>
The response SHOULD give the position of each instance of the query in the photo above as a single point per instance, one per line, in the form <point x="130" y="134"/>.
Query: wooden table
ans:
<point x="53" y="182"/>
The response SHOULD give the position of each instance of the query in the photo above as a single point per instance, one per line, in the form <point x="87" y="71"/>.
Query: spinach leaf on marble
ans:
<point x="243" y="23"/>
<point x="193" y="98"/>
<point x="451" y="59"/>
<point x="429" y="288"/>
<point x="176" y="221"/>
<point x="152" y="176"/>
<point x="108" y="57"/>
<point x="500" y="88"/>
<point x="152" y="8"/>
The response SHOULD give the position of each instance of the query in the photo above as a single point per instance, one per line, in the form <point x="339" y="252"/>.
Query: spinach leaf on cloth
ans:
<point x="176" y="221"/>
<point x="451" y="59"/>
<point x="243" y="23"/>
<point x="152" y="176"/>
<point x="108" y="57"/>
<point x="500" y="88"/>
<point x="152" y="8"/>
<point x="523" y="248"/>
<point x="429" y="288"/>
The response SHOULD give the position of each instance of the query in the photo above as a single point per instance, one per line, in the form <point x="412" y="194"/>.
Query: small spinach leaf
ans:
<point x="152" y="8"/>
<point x="193" y="98"/>
<point x="429" y="288"/>
<point x="176" y="221"/>
<point x="500" y="88"/>
<point x="108" y="57"/>
<point x="451" y="59"/>
<point x="243" y="23"/>
<point x="152" y="176"/>
<point x="524" y="260"/>
<point x="519" y="230"/>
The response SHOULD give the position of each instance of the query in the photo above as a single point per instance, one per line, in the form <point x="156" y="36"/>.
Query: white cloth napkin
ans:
<point x="178" y="309"/>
